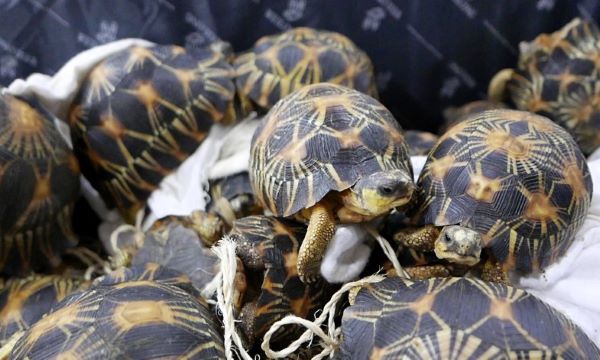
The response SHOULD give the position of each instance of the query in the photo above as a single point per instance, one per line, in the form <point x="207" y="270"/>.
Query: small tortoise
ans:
<point x="141" y="112"/>
<point x="279" y="64"/>
<point x="557" y="76"/>
<point x="419" y="142"/>
<point x="511" y="182"/>
<point x="457" y="318"/>
<point x="39" y="184"/>
<point x="23" y="301"/>
<point x="232" y="198"/>
<point x="141" y="313"/>
<point x="327" y="153"/>
<point x="453" y="115"/>
<point x="268" y="247"/>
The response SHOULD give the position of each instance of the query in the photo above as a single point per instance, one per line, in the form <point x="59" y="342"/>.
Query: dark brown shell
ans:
<point x="268" y="247"/>
<point x="557" y="76"/>
<point x="453" y="115"/>
<point x="419" y="142"/>
<point x="39" y="184"/>
<point x="141" y="112"/>
<point x="23" y="301"/>
<point x="279" y="64"/>
<point x="457" y="318"/>
<point x="517" y="178"/>
<point x="135" y="319"/>
<point x="232" y="197"/>
<point x="322" y="138"/>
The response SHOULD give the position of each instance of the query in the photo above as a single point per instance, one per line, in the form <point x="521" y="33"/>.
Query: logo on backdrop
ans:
<point x="295" y="10"/>
<point x="373" y="18"/>
<point x="8" y="67"/>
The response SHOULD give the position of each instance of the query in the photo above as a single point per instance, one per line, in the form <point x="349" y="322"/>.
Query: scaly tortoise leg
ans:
<point x="493" y="271"/>
<point x="418" y="238"/>
<point x="321" y="228"/>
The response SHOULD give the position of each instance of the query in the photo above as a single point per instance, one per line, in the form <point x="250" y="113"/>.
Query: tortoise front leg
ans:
<point x="418" y="238"/>
<point x="493" y="271"/>
<point x="321" y="228"/>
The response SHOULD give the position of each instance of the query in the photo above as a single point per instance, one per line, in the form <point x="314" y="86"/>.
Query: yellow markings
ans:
<point x="536" y="104"/>
<point x="137" y="57"/>
<point x="483" y="188"/>
<point x="540" y="208"/>
<point x="349" y="138"/>
<point x="99" y="82"/>
<point x="540" y="123"/>
<point x="514" y="147"/>
<point x="24" y="119"/>
<point x="424" y="304"/>
<point x="147" y="95"/>
<point x="573" y="177"/>
<point x="440" y="167"/>
<point x="290" y="261"/>
<point x="56" y="320"/>
<point x="143" y="312"/>
<point x="72" y="163"/>
<point x="587" y="109"/>
<point x="501" y="309"/>
<point x="323" y="102"/>
<point x="112" y="126"/>
<point x="294" y="152"/>
<point x="42" y="190"/>
<point x="301" y="306"/>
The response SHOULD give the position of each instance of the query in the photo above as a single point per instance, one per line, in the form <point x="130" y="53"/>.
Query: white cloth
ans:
<point x="346" y="255"/>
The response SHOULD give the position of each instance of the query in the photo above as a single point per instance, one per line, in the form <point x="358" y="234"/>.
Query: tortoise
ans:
<point x="511" y="182"/>
<point x="23" y="301"/>
<point x="328" y="153"/>
<point x="141" y="313"/>
<point x="557" y="77"/>
<point x="452" y="115"/>
<point x="279" y="64"/>
<point x="419" y="142"/>
<point x="141" y="112"/>
<point x="268" y="247"/>
<point x="427" y="319"/>
<point x="232" y="198"/>
<point x="39" y="184"/>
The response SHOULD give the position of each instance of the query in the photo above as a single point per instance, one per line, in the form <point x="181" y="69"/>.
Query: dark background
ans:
<point x="427" y="54"/>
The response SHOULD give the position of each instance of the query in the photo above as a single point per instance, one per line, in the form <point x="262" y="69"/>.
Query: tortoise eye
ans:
<point x="386" y="190"/>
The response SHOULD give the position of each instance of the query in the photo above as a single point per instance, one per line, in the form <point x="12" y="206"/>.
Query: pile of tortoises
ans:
<point x="502" y="194"/>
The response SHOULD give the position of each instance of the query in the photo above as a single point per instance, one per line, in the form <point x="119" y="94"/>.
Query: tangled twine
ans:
<point x="389" y="252"/>
<point x="225" y="280"/>
<point x="330" y="341"/>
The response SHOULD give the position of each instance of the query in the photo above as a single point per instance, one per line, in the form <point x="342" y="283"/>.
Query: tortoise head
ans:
<point x="380" y="192"/>
<point x="458" y="244"/>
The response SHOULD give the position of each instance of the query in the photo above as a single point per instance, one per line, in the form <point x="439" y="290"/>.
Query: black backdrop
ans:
<point x="428" y="54"/>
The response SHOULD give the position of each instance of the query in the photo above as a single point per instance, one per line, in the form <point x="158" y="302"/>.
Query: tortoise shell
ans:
<point x="134" y="319"/>
<point x="141" y="112"/>
<point x="23" y="301"/>
<point x="232" y="197"/>
<point x="268" y="247"/>
<point x="279" y="64"/>
<point x="39" y="184"/>
<point x="398" y="318"/>
<point x="419" y="142"/>
<point x="452" y="115"/>
<point x="557" y="76"/>
<point x="516" y="178"/>
<point x="174" y="246"/>
<point x="322" y="138"/>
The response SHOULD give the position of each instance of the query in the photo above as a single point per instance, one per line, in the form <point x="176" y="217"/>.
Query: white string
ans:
<point x="118" y="258"/>
<point x="330" y="341"/>
<point x="389" y="252"/>
<point x="225" y="250"/>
